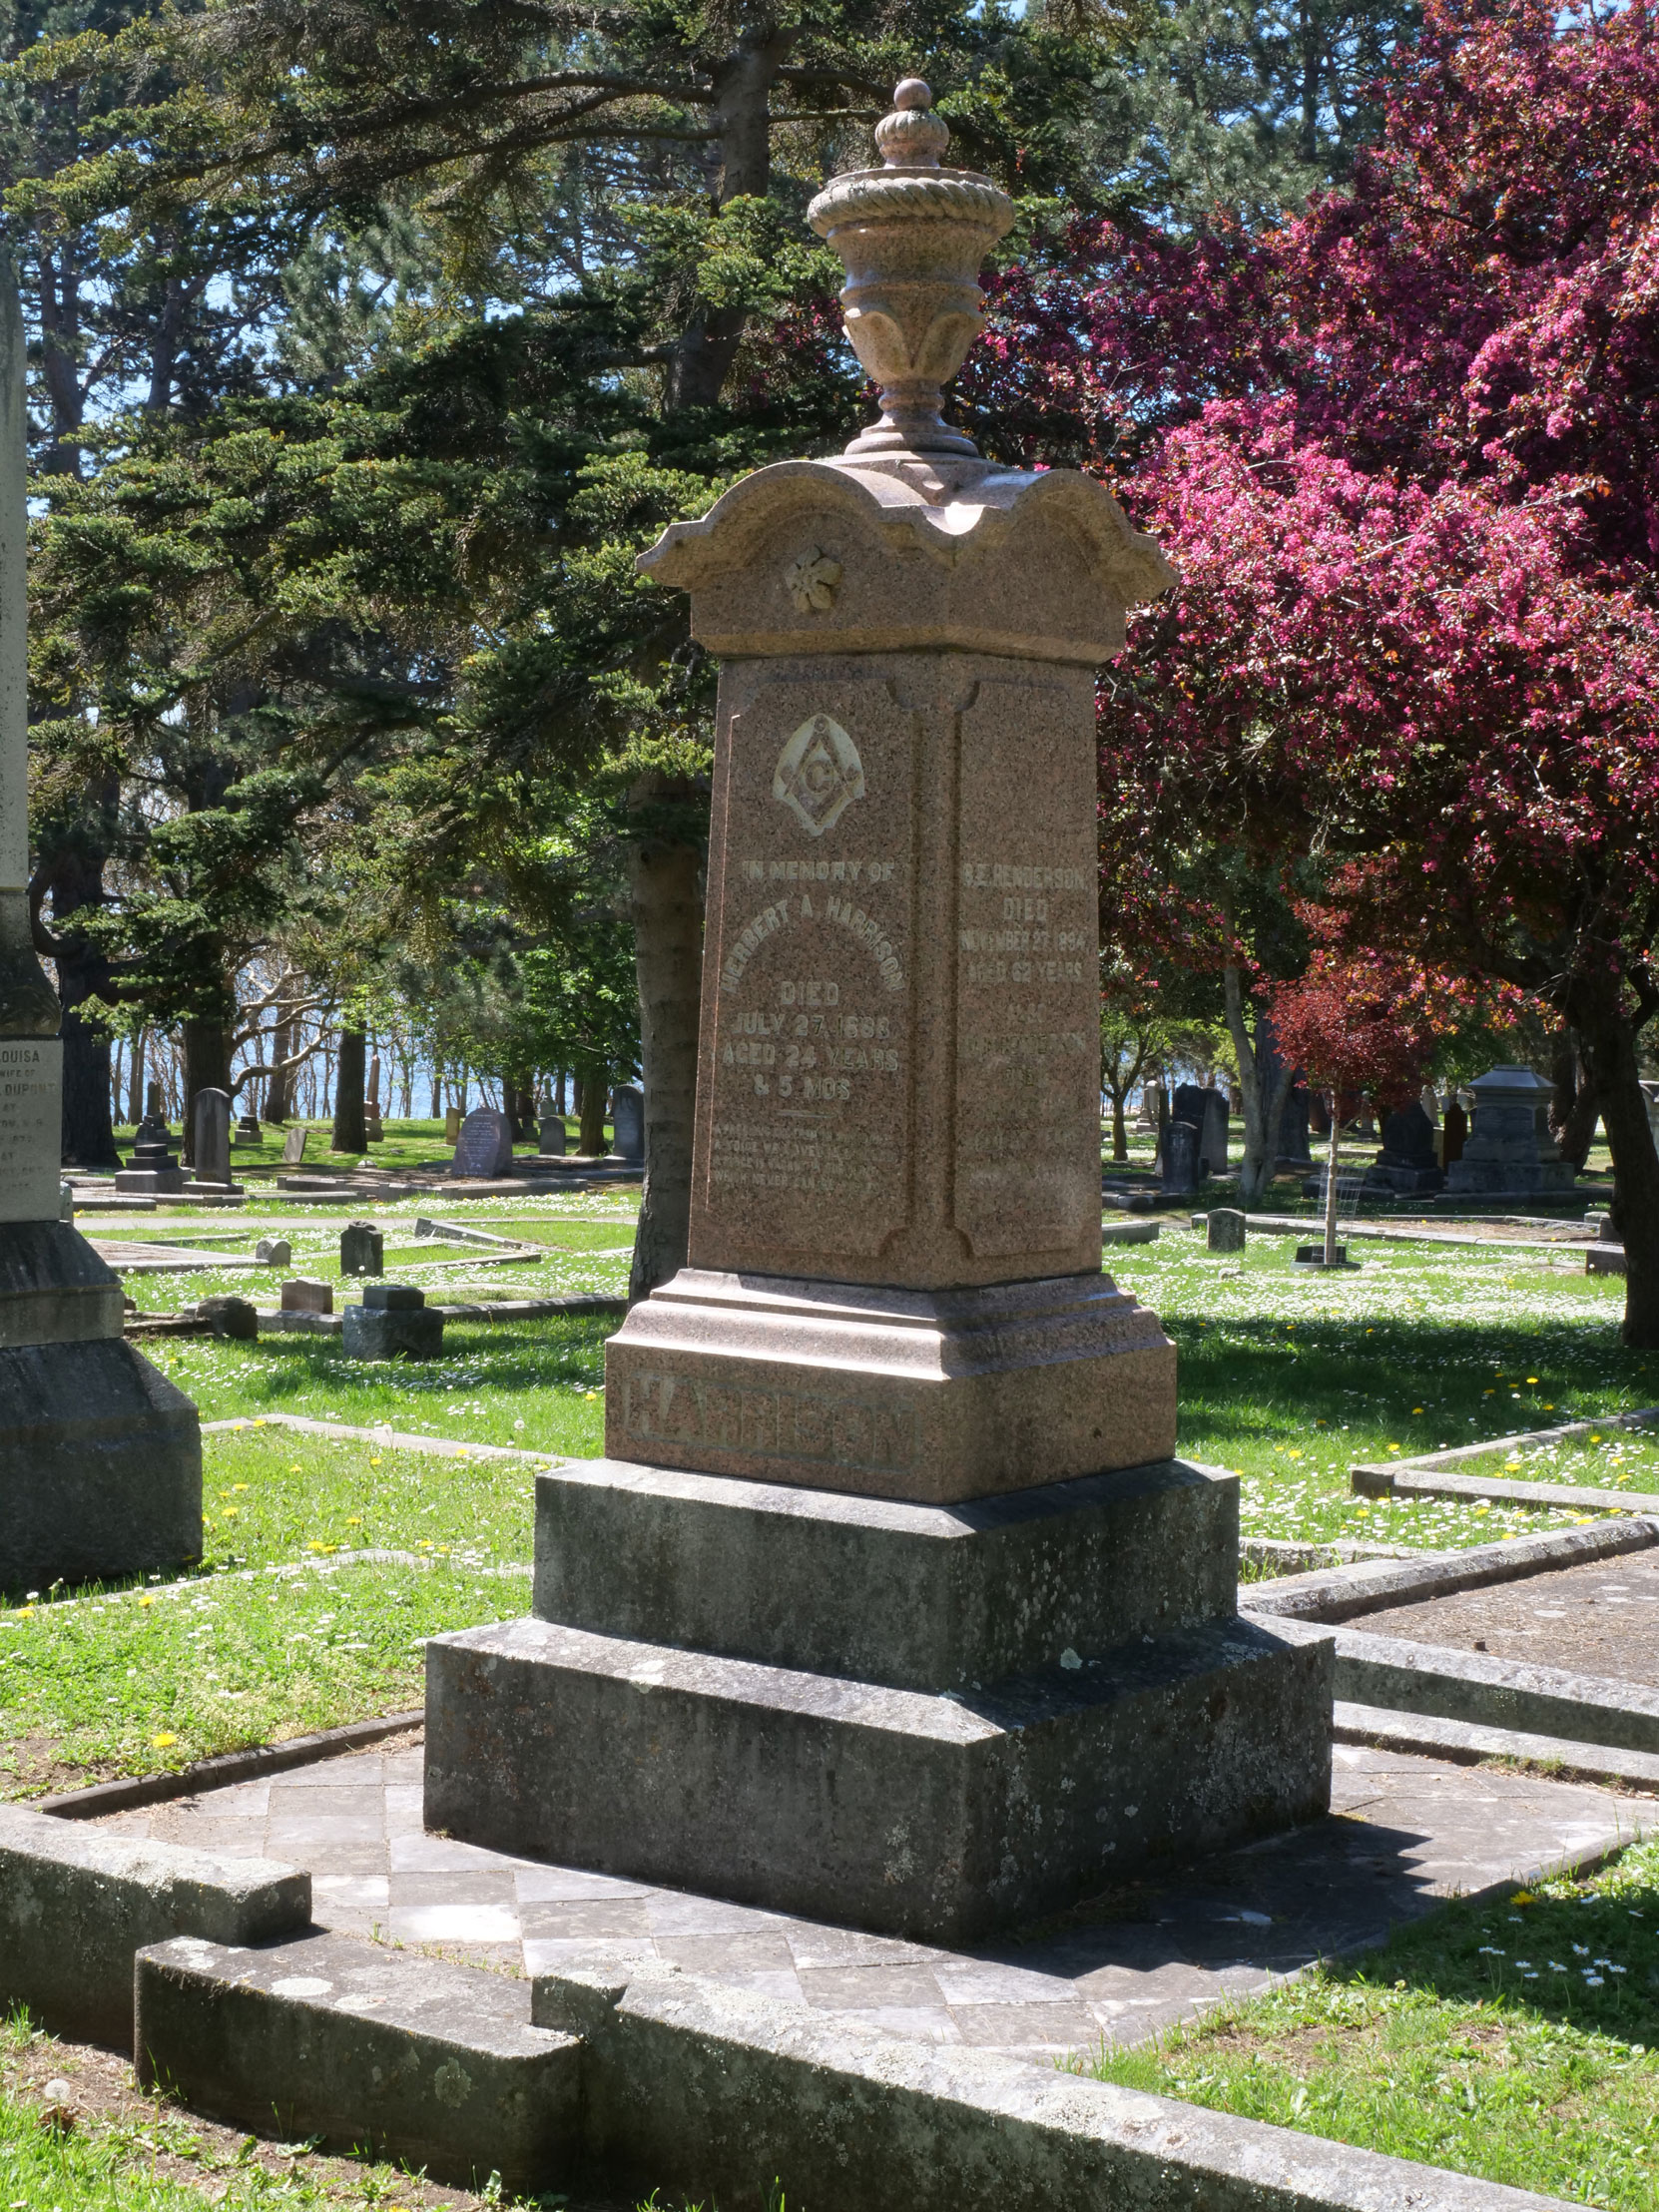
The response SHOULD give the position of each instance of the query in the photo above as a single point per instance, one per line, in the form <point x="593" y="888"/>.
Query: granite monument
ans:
<point x="100" y="1456"/>
<point x="1509" y="1152"/>
<point x="890" y="1604"/>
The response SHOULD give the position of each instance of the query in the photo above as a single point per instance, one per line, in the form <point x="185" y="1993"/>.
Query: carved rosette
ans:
<point x="911" y="236"/>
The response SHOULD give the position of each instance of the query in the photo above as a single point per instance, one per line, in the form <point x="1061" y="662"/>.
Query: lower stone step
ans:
<point x="940" y="1816"/>
<point x="334" y="2039"/>
<point x="1431" y="1737"/>
<point x="1396" y="1675"/>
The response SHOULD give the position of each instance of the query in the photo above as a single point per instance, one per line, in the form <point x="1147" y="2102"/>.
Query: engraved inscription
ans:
<point x="31" y="1138"/>
<point x="1026" y="930"/>
<point x="770" y="1425"/>
<point x="803" y="1147"/>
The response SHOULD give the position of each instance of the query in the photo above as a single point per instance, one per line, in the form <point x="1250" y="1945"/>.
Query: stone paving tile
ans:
<point x="1406" y="1833"/>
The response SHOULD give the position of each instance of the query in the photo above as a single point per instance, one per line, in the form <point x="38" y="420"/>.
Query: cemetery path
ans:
<point x="1404" y="1834"/>
<point x="1600" y="1619"/>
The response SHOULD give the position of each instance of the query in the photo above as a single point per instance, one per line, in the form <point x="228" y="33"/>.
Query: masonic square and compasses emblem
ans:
<point x="819" y="774"/>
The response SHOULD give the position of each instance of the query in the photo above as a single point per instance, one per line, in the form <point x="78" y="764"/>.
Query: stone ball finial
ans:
<point x="911" y="138"/>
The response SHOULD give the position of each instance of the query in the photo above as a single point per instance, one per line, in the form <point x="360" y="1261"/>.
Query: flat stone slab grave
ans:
<point x="1404" y="1834"/>
<point x="1600" y="1620"/>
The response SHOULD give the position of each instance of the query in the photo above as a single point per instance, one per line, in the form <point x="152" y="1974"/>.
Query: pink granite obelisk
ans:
<point x="890" y="1604"/>
<point x="895" y="1277"/>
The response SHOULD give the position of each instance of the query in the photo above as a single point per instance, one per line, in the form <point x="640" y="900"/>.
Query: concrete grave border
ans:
<point x="1441" y="1684"/>
<point x="640" y="2075"/>
<point x="1425" y="1476"/>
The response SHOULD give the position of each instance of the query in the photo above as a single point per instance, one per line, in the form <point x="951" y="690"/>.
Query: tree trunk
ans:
<point x="207" y="1068"/>
<point x="1607" y="1038"/>
<point x="590" y="1140"/>
<point x="1265" y="1083"/>
<point x="665" y="898"/>
<point x="1120" y="1133"/>
<point x="350" y="1125"/>
<point x="1573" y="1110"/>
<point x="134" y="1081"/>
<point x="83" y="973"/>
<point x="1330" y="1191"/>
<point x="278" y="1095"/>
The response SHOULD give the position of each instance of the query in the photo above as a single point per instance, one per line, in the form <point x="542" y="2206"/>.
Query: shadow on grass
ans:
<point x="1427" y="1383"/>
<point x="563" y="1350"/>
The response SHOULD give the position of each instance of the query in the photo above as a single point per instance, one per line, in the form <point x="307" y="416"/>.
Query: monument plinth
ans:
<point x="100" y="1456"/>
<point x="890" y="1602"/>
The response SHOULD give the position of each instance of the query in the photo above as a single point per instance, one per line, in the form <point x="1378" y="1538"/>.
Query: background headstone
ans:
<point x="247" y="1128"/>
<point x="1509" y="1152"/>
<point x="392" y="1323"/>
<point x="302" y="1296"/>
<point x="1225" y="1230"/>
<point x="1407" y="1162"/>
<point x="273" y="1252"/>
<point x="211" y="1114"/>
<point x="1179" y="1154"/>
<point x="485" y="1148"/>
<point x="363" y="1249"/>
<point x="231" y="1317"/>
<point x="294" y="1147"/>
<point x="552" y="1137"/>
<point x="1207" y="1111"/>
<point x="627" y="1123"/>
<point x="451" y="1124"/>
<point x="152" y="1165"/>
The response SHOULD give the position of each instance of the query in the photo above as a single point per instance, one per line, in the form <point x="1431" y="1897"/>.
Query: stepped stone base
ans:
<point x="918" y="1597"/>
<point x="100" y="1466"/>
<point x="100" y="1456"/>
<point x="937" y="1816"/>
<point x="930" y="1395"/>
<point x="930" y="1720"/>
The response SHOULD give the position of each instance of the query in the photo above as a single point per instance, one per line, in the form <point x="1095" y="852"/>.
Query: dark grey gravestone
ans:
<point x="1180" y="1157"/>
<point x="393" y="1298"/>
<point x="153" y="1164"/>
<point x="211" y="1112"/>
<point x="247" y="1129"/>
<point x="231" y="1317"/>
<point x="304" y="1296"/>
<point x="1407" y="1162"/>
<point x="273" y="1252"/>
<point x="627" y="1123"/>
<point x="1207" y="1111"/>
<point x="1509" y="1152"/>
<point x="363" y="1249"/>
<point x="551" y="1135"/>
<point x="392" y="1331"/>
<point x="1226" y="1229"/>
<point x="485" y="1148"/>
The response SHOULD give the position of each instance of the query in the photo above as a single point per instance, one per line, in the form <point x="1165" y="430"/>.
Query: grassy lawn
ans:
<point x="122" y="2151"/>
<point x="1289" y="1376"/>
<point x="1514" y="2041"/>
<point x="404" y="1145"/>
<point x="283" y="1631"/>
<point x="586" y="1239"/>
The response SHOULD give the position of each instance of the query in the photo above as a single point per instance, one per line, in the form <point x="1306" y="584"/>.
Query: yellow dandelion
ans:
<point x="1532" y="1378"/>
<point x="146" y="1599"/>
<point x="163" y="1742"/>
<point x="354" y="1521"/>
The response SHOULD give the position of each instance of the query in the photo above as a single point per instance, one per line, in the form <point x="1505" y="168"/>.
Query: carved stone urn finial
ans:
<point x="911" y="236"/>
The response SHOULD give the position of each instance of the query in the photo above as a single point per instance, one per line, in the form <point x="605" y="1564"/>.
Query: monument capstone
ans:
<point x="890" y="1604"/>
<point x="100" y="1456"/>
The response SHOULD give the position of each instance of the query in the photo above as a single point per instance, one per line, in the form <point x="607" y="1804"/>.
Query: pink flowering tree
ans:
<point x="1404" y="450"/>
